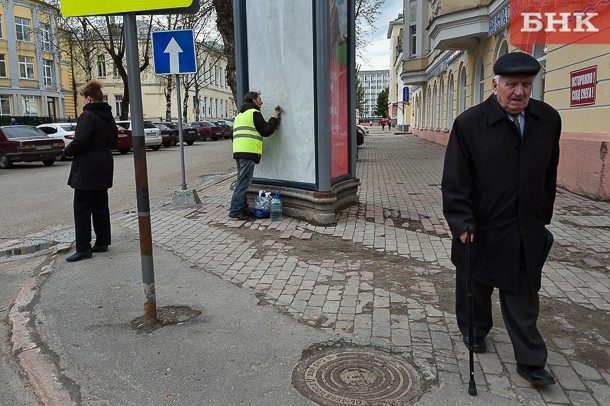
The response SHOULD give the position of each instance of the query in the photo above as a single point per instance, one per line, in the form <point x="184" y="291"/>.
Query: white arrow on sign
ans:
<point x="174" y="51"/>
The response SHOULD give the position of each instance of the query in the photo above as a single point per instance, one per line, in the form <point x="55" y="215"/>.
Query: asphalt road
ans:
<point x="36" y="197"/>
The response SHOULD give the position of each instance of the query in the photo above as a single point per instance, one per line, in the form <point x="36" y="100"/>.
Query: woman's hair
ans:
<point x="92" y="89"/>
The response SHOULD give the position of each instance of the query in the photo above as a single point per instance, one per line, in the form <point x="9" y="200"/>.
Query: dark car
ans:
<point x="208" y="130"/>
<point x="124" y="140"/>
<point x="26" y="143"/>
<point x="169" y="133"/>
<point x="227" y="128"/>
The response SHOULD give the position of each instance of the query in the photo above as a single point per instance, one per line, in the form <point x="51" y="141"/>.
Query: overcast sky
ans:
<point x="377" y="53"/>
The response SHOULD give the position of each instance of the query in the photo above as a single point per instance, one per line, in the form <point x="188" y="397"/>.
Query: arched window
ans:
<point x="479" y="92"/>
<point x="462" y="91"/>
<point x="434" y="116"/>
<point x="442" y="106"/>
<point x="503" y="49"/>
<point x="429" y="109"/>
<point x="450" y="98"/>
<point x="540" y="55"/>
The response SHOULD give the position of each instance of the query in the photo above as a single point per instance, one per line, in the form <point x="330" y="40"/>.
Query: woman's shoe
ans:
<point x="77" y="256"/>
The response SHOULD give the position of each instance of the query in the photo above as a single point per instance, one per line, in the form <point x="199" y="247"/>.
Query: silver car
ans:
<point x="152" y="135"/>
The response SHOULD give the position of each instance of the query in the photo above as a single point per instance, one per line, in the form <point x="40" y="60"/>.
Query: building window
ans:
<point x="450" y="101"/>
<point x="540" y="51"/>
<point x="413" y="35"/>
<point x="2" y="66"/>
<point x="45" y="33"/>
<point x="462" y="90"/>
<point x="1" y="31"/>
<point x="118" y="103"/>
<point x="101" y="66"/>
<point x="26" y="67"/>
<point x="115" y="71"/>
<point x="30" y="105"/>
<point x="221" y="109"/>
<point x="47" y="70"/>
<point x="22" y="29"/>
<point x="480" y="82"/>
<point x="5" y="105"/>
<point x="434" y="116"/>
<point x="442" y="106"/>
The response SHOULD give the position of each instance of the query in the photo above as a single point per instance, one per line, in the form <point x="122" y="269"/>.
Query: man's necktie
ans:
<point x="516" y="121"/>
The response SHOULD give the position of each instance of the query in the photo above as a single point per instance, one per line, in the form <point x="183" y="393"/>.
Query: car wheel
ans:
<point x="227" y="137"/>
<point x="123" y="151"/>
<point x="174" y="143"/>
<point x="48" y="162"/>
<point x="5" y="162"/>
<point x="190" y="142"/>
<point x="214" y="138"/>
<point x="167" y="144"/>
<point x="156" y="147"/>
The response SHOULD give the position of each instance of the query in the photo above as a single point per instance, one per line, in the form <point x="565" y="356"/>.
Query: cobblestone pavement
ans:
<point x="400" y="217"/>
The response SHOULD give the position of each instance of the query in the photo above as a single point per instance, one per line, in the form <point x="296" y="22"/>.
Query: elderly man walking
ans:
<point x="500" y="179"/>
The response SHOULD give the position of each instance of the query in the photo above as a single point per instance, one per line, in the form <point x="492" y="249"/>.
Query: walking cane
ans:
<point x="472" y="386"/>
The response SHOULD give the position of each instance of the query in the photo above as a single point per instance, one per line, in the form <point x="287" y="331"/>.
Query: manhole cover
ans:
<point x="352" y="376"/>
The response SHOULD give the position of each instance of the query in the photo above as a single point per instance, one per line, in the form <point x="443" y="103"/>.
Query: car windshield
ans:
<point x="149" y="124"/>
<point x="124" y="124"/>
<point x="171" y="126"/>
<point x="206" y="124"/>
<point x="21" y="133"/>
<point x="162" y="126"/>
<point x="68" y="127"/>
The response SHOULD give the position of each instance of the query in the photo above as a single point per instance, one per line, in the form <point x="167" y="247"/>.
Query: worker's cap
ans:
<point x="516" y="63"/>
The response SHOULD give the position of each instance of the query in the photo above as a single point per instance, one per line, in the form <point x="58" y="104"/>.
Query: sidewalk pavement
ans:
<point x="273" y="293"/>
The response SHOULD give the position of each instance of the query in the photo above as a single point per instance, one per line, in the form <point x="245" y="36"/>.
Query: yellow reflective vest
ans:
<point x="245" y="136"/>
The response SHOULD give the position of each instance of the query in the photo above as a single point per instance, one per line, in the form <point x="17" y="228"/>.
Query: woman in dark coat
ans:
<point x="499" y="178"/>
<point x="92" y="171"/>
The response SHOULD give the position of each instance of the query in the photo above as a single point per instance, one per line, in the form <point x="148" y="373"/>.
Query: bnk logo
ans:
<point x="559" y="22"/>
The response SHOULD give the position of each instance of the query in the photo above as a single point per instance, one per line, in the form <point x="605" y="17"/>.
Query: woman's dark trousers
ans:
<point x="91" y="204"/>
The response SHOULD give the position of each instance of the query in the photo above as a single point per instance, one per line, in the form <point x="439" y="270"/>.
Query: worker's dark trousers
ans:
<point x="91" y="204"/>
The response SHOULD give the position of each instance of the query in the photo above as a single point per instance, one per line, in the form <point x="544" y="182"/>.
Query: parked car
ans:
<point x="124" y="140"/>
<point x="208" y="130"/>
<point x="152" y="135"/>
<point x="62" y="131"/>
<point x="227" y="128"/>
<point x="26" y="143"/>
<point x="169" y="132"/>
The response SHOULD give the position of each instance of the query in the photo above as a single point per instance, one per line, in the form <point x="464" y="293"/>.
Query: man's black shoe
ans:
<point x="77" y="256"/>
<point x="99" y="248"/>
<point x="535" y="375"/>
<point x="478" y="344"/>
<point x="240" y="216"/>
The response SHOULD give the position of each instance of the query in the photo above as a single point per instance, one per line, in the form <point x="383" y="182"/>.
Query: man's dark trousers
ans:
<point x="88" y="204"/>
<point x="519" y="310"/>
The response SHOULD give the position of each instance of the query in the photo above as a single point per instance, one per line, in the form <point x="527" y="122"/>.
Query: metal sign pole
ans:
<point x="182" y="171"/>
<point x="139" y="153"/>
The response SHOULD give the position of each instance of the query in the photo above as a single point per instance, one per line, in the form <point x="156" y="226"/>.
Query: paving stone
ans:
<point x="567" y="377"/>
<point x="580" y="398"/>
<point x="600" y="392"/>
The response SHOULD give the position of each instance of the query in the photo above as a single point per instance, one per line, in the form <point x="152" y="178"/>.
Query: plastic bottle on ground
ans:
<point x="276" y="208"/>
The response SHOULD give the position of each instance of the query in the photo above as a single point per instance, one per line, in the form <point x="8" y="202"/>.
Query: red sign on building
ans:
<point x="582" y="86"/>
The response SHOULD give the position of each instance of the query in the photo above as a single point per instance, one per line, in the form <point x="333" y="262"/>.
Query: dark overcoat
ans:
<point x="96" y="134"/>
<point x="504" y="186"/>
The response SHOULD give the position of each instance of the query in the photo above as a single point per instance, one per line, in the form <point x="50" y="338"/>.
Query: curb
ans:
<point x="39" y="370"/>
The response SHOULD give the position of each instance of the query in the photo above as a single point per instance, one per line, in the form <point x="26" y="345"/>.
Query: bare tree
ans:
<point x="366" y="15"/>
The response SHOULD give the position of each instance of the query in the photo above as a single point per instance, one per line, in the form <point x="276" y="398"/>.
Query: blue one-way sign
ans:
<point x="174" y="52"/>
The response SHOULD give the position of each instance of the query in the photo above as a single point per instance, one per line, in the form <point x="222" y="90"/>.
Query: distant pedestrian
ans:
<point x="13" y="121"/>
<point x="383" y="123"/>
<point x="389" y="123"/>
<point x="249" y="128"/>
<point x="92" y="171"/>
<point x="500" y="177"/>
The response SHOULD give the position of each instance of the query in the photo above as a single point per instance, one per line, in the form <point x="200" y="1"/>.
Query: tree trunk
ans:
<point x="224" y="23"/>
<point x="168" y="98"/>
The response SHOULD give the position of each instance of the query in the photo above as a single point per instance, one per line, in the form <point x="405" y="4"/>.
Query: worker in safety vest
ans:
<point x="249" y="128"/>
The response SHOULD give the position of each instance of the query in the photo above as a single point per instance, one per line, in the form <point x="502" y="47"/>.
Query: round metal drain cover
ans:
<point x="351" y="376"/>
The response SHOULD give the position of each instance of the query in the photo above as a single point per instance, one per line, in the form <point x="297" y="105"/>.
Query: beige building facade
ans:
<point x="34" y="79"/>
<point x="450" y="48"/>
<point x="214" y="101"/>
<point x="399" y="108"/>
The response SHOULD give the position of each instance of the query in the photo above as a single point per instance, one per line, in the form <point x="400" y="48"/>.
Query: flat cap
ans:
<point x="516" y="63"/>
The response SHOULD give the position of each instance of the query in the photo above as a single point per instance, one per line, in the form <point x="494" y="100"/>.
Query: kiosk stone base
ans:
<point x="310" y="205"/>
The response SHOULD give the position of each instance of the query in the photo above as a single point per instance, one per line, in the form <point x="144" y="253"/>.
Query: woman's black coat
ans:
<point x="504" y="186"/>
<point x="96" y="134"/>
